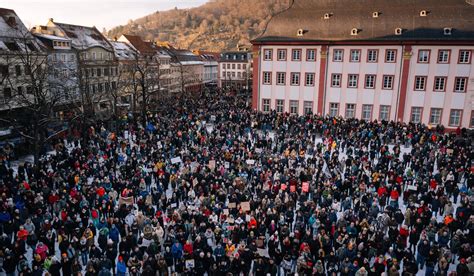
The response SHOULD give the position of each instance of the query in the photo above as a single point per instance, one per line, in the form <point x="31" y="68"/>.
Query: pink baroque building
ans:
<point x="398" y="60"/>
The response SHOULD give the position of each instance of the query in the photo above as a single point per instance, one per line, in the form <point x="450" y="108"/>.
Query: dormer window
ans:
<point x="354" y="31"/>
<point x="327" y="16"/>
<point x="375" y="14"/>
<point x="447" y="31"/>
<point x="398" y="31"/>
<point x="11" y="21"/>
<point x="423" y="13"/>
<point x="300" y="32"/>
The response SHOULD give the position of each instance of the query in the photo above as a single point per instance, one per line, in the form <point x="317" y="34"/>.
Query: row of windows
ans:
<point x="239" y="75"/>
<point x="234" y="66"/>
<point x="369" y="81"/>
<point x="13" y="46"/>
<point x="294" y="78"/>
<point x="293" y="106"/>
<point x="336" y="80"/>
<point x="235" y="57"/>
<point x="444" y="56"/>
<point x="372" y="56"/>
<point x="98" y="72"/>
<point x="440" y="83"/>
<point x="62" y="57"/>
<point x="5" y="70"/>
<point x="296" y="54"/>
<point x="455" y="116"/>
<point x="97" y="56"/>
<point x="460" y="83"/>
<point x="61" y="44"/>
<point x="8" y="93"/>
<point x="100" y="87"/>
<point x="367" y="109"/>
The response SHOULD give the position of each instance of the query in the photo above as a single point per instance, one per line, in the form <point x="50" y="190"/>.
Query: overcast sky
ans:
<point x="99" y="13"/>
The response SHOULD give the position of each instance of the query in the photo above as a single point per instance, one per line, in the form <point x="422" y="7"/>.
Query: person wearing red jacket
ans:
<point x="381" y="191"/>
<point x="394" y="195"/>
<point x="101" y="191"/>
<point x="188" y="248"/>
<point x="404" y="233"/>
<point x="252" y="223"/>
<point x="22" y="234"/>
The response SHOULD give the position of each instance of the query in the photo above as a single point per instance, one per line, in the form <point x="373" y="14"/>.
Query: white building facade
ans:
<point x="235" y="70"/>
<point x="370" y="72"/>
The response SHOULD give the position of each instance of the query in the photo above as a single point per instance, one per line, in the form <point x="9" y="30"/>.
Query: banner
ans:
<point x="412" y="187"/>
<point x="126" y="200"/>
<point x="176" y="160"/>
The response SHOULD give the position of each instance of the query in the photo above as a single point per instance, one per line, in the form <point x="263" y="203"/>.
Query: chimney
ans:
<point x="51" y="20"/>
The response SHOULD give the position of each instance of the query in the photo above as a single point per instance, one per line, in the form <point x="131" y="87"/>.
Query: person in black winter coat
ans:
<point x="462" y="269"/>
<point x="66" y="265"/>
<point x="55" y="268"/>
<point x="423" y="251"/>
<point x="9" y="264"/>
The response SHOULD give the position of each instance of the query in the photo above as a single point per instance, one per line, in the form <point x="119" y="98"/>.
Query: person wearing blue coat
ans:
<point x="121" y="267"/>
<point x="114" y="234"/>
<point x="177" y="250"/>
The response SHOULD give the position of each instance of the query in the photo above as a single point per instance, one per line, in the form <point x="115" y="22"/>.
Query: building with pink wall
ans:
<point x="374" y="60"/>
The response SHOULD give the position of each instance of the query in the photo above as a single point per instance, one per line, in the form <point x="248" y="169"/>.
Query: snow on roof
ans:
<point x="84" y="37"/>
<point x="52" y="37"/>
<point x="14" y="33"/>
<point x="191" y="62"/>
<point x="122" y="50"/>
<point x="11" y="25"/>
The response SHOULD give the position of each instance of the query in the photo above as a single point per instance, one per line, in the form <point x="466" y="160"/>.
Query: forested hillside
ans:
<point x="215" y="26"/>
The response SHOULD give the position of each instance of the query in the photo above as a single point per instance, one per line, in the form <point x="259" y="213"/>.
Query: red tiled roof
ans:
<point x="138" y="43"/>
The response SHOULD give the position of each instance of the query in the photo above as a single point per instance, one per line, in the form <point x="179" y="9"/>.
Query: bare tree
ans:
<point x="119" y="84"/>
<point x="36" y="93"/>
<point x="145" y="80"/>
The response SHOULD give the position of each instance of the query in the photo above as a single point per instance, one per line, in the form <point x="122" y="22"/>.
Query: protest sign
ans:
<point x="412" y="187"/>
<point x="250" y="162"/>
<point x="190" y="264"/>
<point x="212" y="164"/>
<point x="176" y="160"/>
<point x="305" y="187"/>
<point x="245" y="206"/>
<point x="126" y="200"/>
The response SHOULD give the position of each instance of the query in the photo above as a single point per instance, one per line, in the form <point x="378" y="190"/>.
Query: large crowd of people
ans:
<point x="209" y="187"/>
